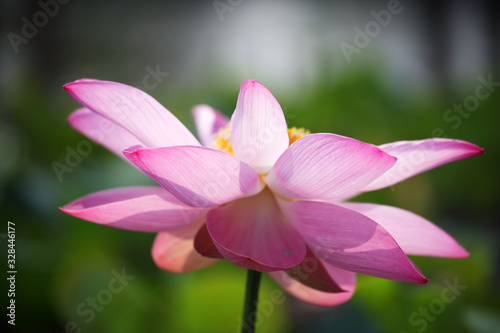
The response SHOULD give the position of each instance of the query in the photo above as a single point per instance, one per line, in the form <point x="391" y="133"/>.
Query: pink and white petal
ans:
<point x="313" y="273"/>
<point x="204" y="245"/>
<point x="345" y="279"/>
<point x="132" y="109"/>
<point x="103" y="131"/>
<point x="327" y="167"/>
<point x="147" y="209"/>
<point x="415" y="157"/>
<point x="253" y="233"/>
<point x="207" y="121"/>
<point x="197" y="176"/>
<point x="174" y="251"/>
<point x="414" y="234"/>
<point x="259" y="134"/>
<point x="351" y="241"/>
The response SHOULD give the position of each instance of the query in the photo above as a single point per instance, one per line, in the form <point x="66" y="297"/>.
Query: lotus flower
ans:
<point x="260" y="195"/>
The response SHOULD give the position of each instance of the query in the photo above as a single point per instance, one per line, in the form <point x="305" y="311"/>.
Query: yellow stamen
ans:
<point x="222" y="139"/>
<point x="295" y="133"/>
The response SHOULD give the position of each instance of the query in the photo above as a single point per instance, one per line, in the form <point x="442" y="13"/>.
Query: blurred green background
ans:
<point x="397" y="87"/>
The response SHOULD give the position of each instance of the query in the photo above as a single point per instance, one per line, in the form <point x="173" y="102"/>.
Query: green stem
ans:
<point x="251" y="300"/>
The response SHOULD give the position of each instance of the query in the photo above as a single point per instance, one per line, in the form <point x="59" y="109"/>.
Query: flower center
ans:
<point x="295" y="133"/>
<point x="222" y="139"/>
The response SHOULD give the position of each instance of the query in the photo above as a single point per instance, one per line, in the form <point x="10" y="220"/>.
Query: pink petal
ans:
<point x="259" y="134"/>
<point x="415" y="157"/>
<point x="252" y="233"/>
<point x="173" y="251"/>
<point x="207" y="121"/>
<point x="197" y="176"/>
<point x="103" y="131"/>
<point x="414" y="234"/>
<point x="350" y="240"/>
<point x="326" y="167"/>
<point x="204" y="245"/>
<point x="132" y="109"/>
<point x="313" y="273"/>
<point x="148" y="209"/>
<point x="345" y="279"/>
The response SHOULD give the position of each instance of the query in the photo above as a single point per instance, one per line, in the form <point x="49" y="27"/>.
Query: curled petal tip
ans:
<point x="69" y="84"/>
<point x="462" y="254"/>
<point x="247" y="82"/>
<point x="458" y="252"/>
<point x="66" y="209"/>
<point x="470" y="147"/>
<point x="418" y="278"/>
